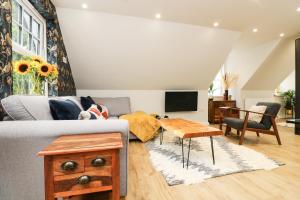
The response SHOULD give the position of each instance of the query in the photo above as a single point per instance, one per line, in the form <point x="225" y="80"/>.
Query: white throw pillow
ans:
<point x="257" y="117"/>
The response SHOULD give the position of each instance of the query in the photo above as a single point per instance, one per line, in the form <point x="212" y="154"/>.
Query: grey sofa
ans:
<point x="32" y="129"/>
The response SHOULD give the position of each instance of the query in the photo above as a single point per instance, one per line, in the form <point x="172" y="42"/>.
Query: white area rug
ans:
<point x="230" y="158"/>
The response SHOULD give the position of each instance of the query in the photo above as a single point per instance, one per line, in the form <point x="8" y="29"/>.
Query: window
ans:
<point x="217" y="83"/>
<point x="28" y="29"/>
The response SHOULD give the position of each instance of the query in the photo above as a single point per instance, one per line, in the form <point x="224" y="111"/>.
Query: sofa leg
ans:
<point x="238" y="132"/>
<point x="257" y="133"/>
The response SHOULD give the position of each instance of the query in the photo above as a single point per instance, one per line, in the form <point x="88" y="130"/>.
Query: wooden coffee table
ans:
<point x="188" y="129"/>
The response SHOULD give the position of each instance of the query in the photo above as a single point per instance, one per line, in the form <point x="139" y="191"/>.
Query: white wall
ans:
<point x="153" y="101"/>
<point x="248" y="98"/>
<point x="278" y="65"/>
<point x="289" y="83"/>
<point x="247" y="56"/>
<point x="116" y="52"/>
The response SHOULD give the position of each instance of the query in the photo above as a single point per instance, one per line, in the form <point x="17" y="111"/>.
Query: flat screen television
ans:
<point x="181" y="101"/>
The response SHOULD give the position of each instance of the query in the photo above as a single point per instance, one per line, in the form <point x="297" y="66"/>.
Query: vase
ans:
<point x="226" y="94"/>
<point x="21" y="85"/>
<point x="37" y="86"/>
<point x="46" y="92"/>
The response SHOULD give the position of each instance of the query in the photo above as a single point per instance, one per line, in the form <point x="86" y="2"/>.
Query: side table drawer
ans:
<point x="63" y="165"/>
<point x="99" y="161"/>
<point x="83" y="183"/>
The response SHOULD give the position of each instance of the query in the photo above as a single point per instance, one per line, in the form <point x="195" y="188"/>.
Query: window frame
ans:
<point x="218" y="79"/>
<point x="35" y="15"/>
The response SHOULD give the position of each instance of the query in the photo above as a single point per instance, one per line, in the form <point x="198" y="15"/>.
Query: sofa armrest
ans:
<point x="20" y="141"/>
<point x="54" y="128"/>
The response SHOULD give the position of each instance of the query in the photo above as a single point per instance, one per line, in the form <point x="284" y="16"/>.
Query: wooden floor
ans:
<point x="282" y="183"/>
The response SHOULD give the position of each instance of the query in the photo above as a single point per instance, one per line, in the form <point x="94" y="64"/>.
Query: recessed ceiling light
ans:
<point x="158" y="16"/>
<point x="281" y="35"/>
<point x="254" y="30"/>
<point x="216" y="24"/>
<point x="298" y="9"/>
<point x="84" y="5"/>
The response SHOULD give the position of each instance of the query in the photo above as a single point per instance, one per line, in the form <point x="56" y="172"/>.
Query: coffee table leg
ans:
<point x="212" y="149"/>
<point x="182" y="152"/>
<point x="188" y="158"/>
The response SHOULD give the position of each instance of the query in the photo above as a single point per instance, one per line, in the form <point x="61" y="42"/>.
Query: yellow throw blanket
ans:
<point x="144" y="126"/>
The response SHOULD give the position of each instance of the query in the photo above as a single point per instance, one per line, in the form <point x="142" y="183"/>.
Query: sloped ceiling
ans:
<point x="271" y="17"/>
<point x="144" y="53"/>
<point x="119" y="52"/>
<point x="278" y="65"/>
<point x="247" y="56"/>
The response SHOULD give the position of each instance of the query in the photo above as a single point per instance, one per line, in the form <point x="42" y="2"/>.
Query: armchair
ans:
<point x="243" y="125"/>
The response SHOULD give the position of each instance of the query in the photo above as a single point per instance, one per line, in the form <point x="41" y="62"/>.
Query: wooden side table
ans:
<point x="82" y="164"/>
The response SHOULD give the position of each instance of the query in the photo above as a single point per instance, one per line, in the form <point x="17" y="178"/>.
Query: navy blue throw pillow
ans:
<point x="64" y="110"/>
<point x="86" y="102"/>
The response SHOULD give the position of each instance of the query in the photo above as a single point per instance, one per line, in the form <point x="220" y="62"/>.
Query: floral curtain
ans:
<point x="56" y="51"/>
<point x="55" y="47"/>
<point x="5" y="49"/>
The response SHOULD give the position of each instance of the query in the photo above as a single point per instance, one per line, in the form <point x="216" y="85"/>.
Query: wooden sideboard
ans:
<point x="214" y="112"/>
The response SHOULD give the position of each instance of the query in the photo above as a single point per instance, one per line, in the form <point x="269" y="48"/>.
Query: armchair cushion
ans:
<point x="254" y="116"/>
<point x="272" y="109"/>
<point x="238" y="124"/>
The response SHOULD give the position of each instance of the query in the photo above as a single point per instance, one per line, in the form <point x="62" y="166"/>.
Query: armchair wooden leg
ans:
<point x="244" y="128"/>
<point x="238" y="132"/>
<point x="276" y="131"/>
<point x="242" y="137"/>
<point x="257" y="133"/>
<point x="228" y="129"/>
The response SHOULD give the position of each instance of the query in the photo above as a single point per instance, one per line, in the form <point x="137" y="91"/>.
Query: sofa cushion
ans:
<point x="94" y="112"/>
<point x="2" y="113"/>
<point x="116" y="106"/>
<point x="75" y="99"/>
<point x="23" y="108"/>
<point x="7" y="118"/>
<point x="86" y="102"/>
<point x="64" y="110"/>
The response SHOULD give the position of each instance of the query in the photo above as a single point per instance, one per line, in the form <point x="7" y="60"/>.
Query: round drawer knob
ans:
<point x="69" y="166"/>
<point x="98" y="162"/>
<point x="83" y="180"/>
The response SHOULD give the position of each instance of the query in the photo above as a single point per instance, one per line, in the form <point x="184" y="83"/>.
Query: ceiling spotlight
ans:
<point x="255" y="30"/>
<point x="298" y="9"/>
<point x="85" y="6"/>
<point x="281" y="35"/>
<point x="158" y="16"/>
<point x="216" y="24"/>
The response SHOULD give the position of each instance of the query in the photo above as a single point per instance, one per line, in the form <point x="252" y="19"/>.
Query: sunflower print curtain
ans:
<point x="56" y="52"/>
